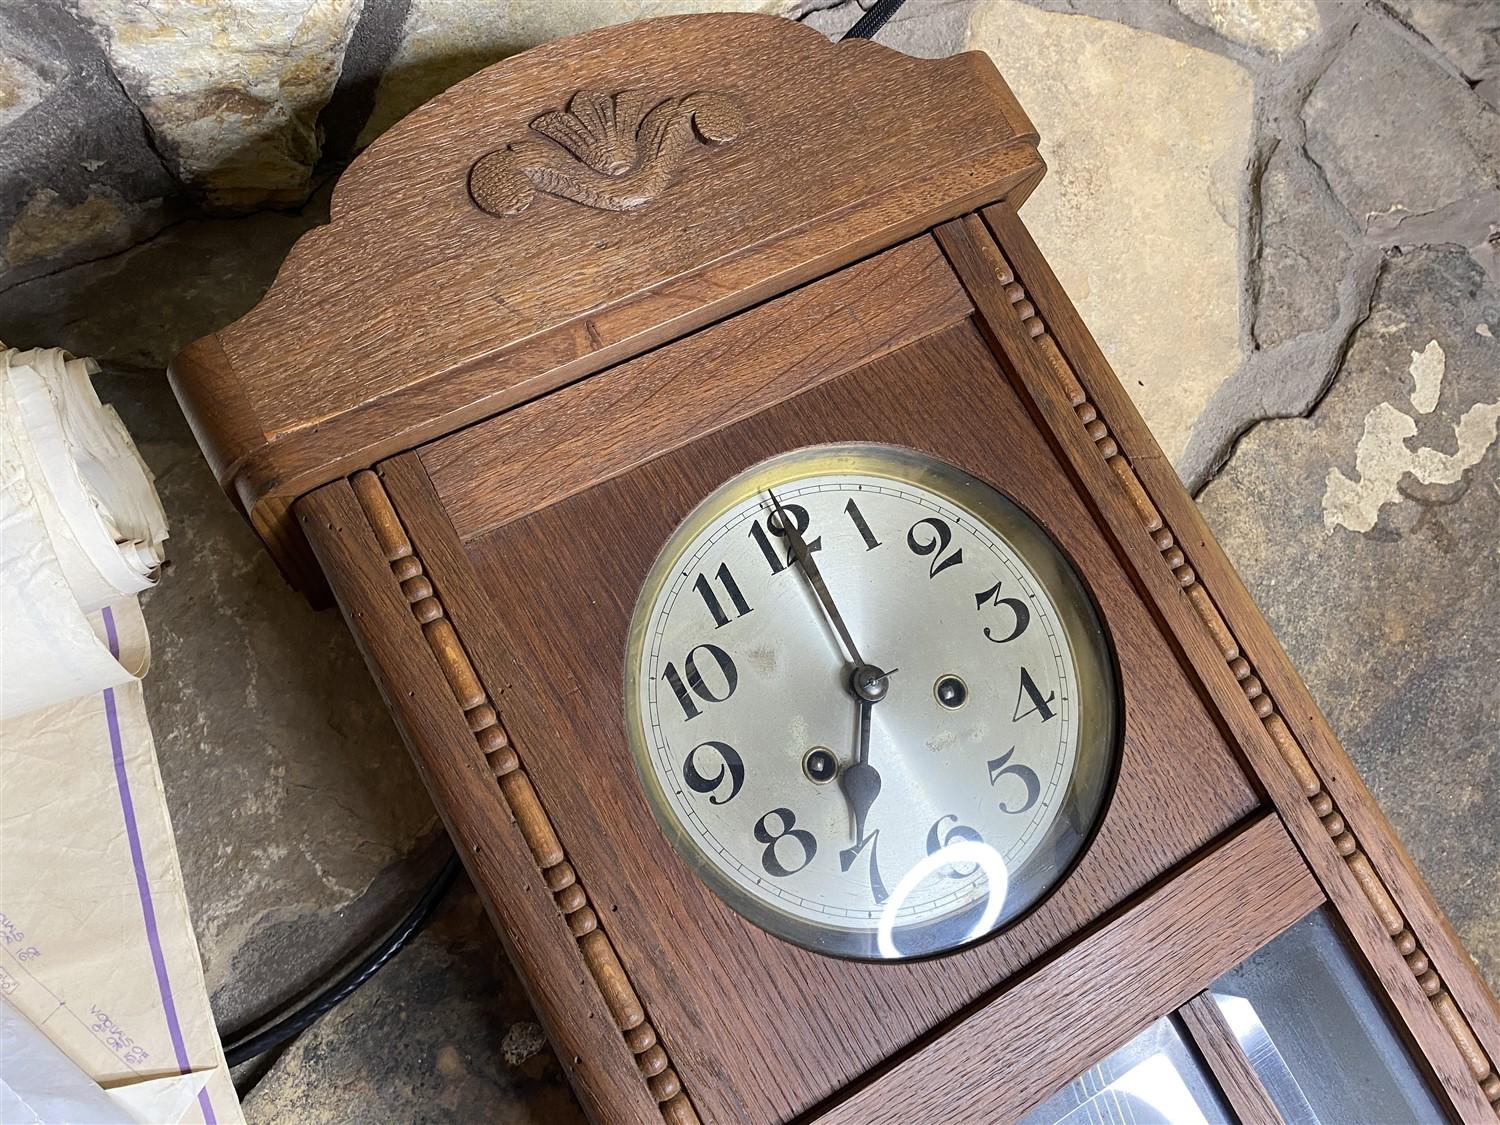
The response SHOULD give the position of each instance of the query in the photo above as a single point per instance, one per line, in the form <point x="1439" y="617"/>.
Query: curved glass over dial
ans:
<point x="870" y="701"/>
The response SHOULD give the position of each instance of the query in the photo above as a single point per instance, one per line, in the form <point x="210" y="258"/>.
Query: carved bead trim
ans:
<point x="1292" y="752"/>
<point x="609" y="152"/>
<point x="514" y="784"/>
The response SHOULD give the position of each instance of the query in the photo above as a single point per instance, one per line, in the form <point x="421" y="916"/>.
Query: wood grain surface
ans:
<point x="511" y="591"/>
<point x="555" y="674"/>
<point x="450" y="760"/>
<point x="1015" y="1050"/>
<point x="599" y="428"/>
<point x="414" y="312"/>
<point x="1233" y="656"/>
<point x="1227" y="1061"/>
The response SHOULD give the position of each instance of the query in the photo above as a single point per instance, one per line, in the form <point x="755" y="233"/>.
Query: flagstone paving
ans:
<point x="1279" y="217"/>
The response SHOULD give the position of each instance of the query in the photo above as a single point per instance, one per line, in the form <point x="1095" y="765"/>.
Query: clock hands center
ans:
<point x="860" y="781"/>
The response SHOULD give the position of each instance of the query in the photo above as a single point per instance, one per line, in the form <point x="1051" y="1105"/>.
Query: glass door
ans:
<point x="1293" y="1033"/>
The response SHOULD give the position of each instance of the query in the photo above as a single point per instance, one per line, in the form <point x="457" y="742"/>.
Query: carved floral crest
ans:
<point x="609" y="152"/>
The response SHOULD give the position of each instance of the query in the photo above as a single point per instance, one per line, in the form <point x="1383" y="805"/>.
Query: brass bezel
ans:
<point x="1100" y="704"/>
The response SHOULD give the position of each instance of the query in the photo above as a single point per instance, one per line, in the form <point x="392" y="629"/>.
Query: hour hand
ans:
<point x="809" y="566"/>
<point x="860" y="782"/>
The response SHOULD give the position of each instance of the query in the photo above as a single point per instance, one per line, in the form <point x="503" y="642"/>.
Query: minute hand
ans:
<point x="815" y="578"/>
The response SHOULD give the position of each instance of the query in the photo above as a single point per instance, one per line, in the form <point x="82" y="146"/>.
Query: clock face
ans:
<point x="870" y="701"/>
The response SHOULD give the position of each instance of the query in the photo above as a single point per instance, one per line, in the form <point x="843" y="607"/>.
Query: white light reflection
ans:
<point x="1156" y="1082"/>
<point x="960" y="851"/>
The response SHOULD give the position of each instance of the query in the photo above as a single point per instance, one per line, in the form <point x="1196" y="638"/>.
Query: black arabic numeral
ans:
<point x="695" y="681"/>
<point x="942" y="535"/>
<point x="711" y="600"/>
<point x="861" y="526"/>
<point x="1003" y="767"/>
<point x="1038" y="706"/>
<point x="780" y="560"/>
<point x="957" y="832"/>
<point x="733" y="768"/>
<point x="789" y="830"/>
<point x="849" y="855"/>
<point x="991" y="597"/>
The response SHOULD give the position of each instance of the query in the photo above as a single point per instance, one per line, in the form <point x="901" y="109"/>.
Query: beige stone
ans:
<point x="522" y="1040"/>
<point x="1273" y="26"/>
<point x="443" y="42"/>
<point x="47" y="227"/>
<point x="231" y="90"/>
<point x="1147" y="143"/>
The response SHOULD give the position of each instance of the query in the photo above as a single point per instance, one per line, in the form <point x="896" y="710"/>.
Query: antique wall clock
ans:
<point x="840" y="706"/>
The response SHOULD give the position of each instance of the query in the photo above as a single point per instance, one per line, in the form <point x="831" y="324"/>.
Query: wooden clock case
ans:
<point x="559" y="304"/>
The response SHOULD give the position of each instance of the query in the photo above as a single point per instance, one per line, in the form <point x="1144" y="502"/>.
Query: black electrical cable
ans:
<point x="873" y="20"/>
<point x="241" y="1046"/>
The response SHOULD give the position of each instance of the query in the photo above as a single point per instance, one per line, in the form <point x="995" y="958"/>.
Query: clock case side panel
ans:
<point x="605" y="1040"/>
<point x="1407" y="944"/>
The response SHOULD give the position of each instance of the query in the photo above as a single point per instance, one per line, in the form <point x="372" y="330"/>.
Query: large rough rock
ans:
<point x="47" y="227"/>
<point x="1367" y="534"/>
<point x="1394" y="131"/>
<point x="1304" y="254"/>
<point x="1467" y="32"/>
<point x="442" y="42"/>
<point x="231" y="90"/>
<point x="443" y="1034"/>
<point x="1273" y="26"/>
<point x="1148" y="142"/>
<point x="80" y="178"/>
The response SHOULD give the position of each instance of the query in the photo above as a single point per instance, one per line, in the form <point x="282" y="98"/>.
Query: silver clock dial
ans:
<point x="870" y="701"/>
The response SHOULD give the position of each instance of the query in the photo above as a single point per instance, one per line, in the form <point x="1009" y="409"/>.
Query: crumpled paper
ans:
<point x="104" y="1014"/>
<point x="81" y="527"/>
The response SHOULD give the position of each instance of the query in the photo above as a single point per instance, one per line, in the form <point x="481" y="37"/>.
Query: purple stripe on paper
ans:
<point x="142" y="885"/>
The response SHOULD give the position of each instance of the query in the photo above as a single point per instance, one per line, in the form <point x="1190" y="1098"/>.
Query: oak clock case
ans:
<point x="477" y="409"/>
<point x="870" y="701"/>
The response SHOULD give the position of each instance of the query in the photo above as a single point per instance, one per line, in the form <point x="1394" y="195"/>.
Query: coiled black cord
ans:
<point x="873" y="20"/>
<point x="241" y="1046"/>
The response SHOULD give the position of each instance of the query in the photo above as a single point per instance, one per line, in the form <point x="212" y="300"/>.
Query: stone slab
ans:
<point x="1367" y="533"/>
<point x="1147" y="142"/>
<point x="1304" y="253"/>
<point x="1395" y="132"/>
<point x="442" y="1034"/>
<point x="442" y="42"/>
<point x="1467" y="32"/>
<point x="231" y="90"/>
<point x="1273" y="26"/>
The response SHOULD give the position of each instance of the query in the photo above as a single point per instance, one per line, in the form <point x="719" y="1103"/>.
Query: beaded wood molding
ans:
<point x="609" y="154"/>
<point x="514" y="785"/>
<point x="1292" y="753"/>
